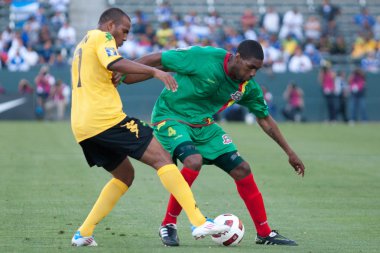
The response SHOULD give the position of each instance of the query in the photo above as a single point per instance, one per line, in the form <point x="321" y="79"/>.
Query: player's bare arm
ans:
<point x="270" y="128"/>
<point x="153" y="60"/>
<point x="127" y="67"/>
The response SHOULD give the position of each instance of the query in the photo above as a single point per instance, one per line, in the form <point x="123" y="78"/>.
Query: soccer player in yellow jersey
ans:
<point x="108" y="136"/>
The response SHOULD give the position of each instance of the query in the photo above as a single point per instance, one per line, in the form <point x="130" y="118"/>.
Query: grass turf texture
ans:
<point x="47" y="189"/>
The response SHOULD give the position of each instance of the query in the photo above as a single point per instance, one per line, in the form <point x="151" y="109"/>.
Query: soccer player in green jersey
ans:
<point x="210" y="80"/>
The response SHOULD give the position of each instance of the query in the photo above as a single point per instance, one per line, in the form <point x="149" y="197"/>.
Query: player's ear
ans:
<point x="111" y="26"/>
<point x="237" y="57"/>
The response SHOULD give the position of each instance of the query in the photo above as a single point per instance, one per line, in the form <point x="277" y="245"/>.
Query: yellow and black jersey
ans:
<point x="96" y="104"/>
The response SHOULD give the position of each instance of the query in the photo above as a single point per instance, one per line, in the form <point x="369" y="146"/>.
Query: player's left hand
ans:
<point x="116" y="78"/>
<point x="297" y="164"/>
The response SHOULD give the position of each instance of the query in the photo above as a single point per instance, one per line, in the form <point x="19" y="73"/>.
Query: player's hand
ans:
<point x="167" y="79"/>
<point x="117" y="78"/>
<point x="297" y="164"/>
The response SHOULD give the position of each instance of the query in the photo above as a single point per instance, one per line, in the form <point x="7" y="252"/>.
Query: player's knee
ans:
<point x="128" y="180"/>
<point x="193" y="162"/>
<point x="241" y="171"/>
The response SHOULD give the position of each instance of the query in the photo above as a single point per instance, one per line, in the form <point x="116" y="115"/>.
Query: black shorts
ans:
<point x="108" y="149"/>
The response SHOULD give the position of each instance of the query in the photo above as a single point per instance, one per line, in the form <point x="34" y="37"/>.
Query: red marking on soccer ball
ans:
<point x="236" y="233"/>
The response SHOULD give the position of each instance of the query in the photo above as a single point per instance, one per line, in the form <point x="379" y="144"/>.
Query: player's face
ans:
<point x="120" y="31"/>
<point x="245" y="69"/>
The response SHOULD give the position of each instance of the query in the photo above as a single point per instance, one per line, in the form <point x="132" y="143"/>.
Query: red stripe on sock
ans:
<point x="251" y="195"/>
<point x="174" y="208"/>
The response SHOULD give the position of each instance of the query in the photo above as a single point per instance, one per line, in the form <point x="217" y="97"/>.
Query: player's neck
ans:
<point x="230" y="64"/>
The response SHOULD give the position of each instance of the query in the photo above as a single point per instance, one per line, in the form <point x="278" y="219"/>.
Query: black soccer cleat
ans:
<point x="274" y="238"/>
<point x="168" y="234"/>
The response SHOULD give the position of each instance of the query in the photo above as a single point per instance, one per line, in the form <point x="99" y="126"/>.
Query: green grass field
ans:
<point x="47" y="189"/>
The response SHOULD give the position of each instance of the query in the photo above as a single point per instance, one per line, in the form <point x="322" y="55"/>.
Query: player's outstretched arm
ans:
<point x="138" y="70"/>
<point x="270" y="128"/>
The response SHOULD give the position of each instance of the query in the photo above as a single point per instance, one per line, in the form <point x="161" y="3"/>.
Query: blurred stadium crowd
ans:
<point x="39" y="32"/>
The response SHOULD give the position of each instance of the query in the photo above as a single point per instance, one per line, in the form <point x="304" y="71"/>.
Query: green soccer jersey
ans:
<point x="204" y="87"/>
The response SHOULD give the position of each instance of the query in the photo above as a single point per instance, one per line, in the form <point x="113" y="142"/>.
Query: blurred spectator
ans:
<point x="163" y="12"/>
<point x="30" y="30"/>
<point x="164" y="33"/>
<point x="232" y="39"/>
<point x="279" y="65"/>
<point x="327" y="80"/>
<point x="364" y="20"/>
<point x="292" y="24"/>
<point x="44" y="35"/>
<point x="370" y="63"/>
<point x="59" y="61"/>
<point x="57" y="101"/>
<point x="271" y="20"/>
<point x="59" y="5"/>
<point x="43" y="82"/>
<point x="6" y="38"/>
<point x="177" y="21"/>
<point x="271" y="54"/>
<point x="30" y="56"/>
<point x="213" y="19"/>
<point x="217" y="36"/>
<point x="67" y="37"/>
<point x="289" y="45"/>
<point x="128" y="49"/>
<point x="41" y="16"/>
<point x="357" y="95"/>
<point x="314" y="55"/>
<point x="16" y="45"/>
<point x="274" y="41"/>
<point x="249" y="33"/>
<point x="300" y="63"/>
<point x="324" y="45"/>
<point x="268" y="97"/>
<point x="145" y="45"/>
<point x="293" y="95"/>
<point x="17" y="63"/>
<point x="47" y="53"/>
<point x="313" y="28"/>
<point x="24" y="87"/>
<point x="376" y="29"/>
<point x="248" y="20"/>
<point x="363" y="45"/>
<point x="341" y="92"/>
<point x="192" y="17"/>
<point x="150" y="33"/>
<point x="57" y="21"/>
<point x="328" y="12"/>
<point x="339" y="46"/>
<point x="139" y="22"/>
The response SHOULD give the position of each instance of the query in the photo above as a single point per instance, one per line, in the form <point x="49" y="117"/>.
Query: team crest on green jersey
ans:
<point x="237" y="95"/>
<point x="226" y="139"/>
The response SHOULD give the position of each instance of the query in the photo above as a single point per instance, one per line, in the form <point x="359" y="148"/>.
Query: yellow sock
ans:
<point x="107" y="199"/>
<point x="174" y="182"/>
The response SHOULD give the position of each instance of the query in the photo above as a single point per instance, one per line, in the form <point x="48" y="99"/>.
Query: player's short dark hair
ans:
<point x="114" y="14"/>
<point x="249" y="49"/>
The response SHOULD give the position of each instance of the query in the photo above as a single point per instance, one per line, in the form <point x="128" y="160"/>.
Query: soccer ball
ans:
<point x="236" y="233"/>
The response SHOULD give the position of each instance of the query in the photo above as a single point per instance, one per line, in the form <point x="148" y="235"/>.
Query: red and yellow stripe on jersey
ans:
<point x="232" y="101"/>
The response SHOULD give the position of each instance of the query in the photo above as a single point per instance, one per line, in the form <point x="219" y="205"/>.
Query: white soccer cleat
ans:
<point x="209" y="228"/>
<point x="79" y="240"/>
